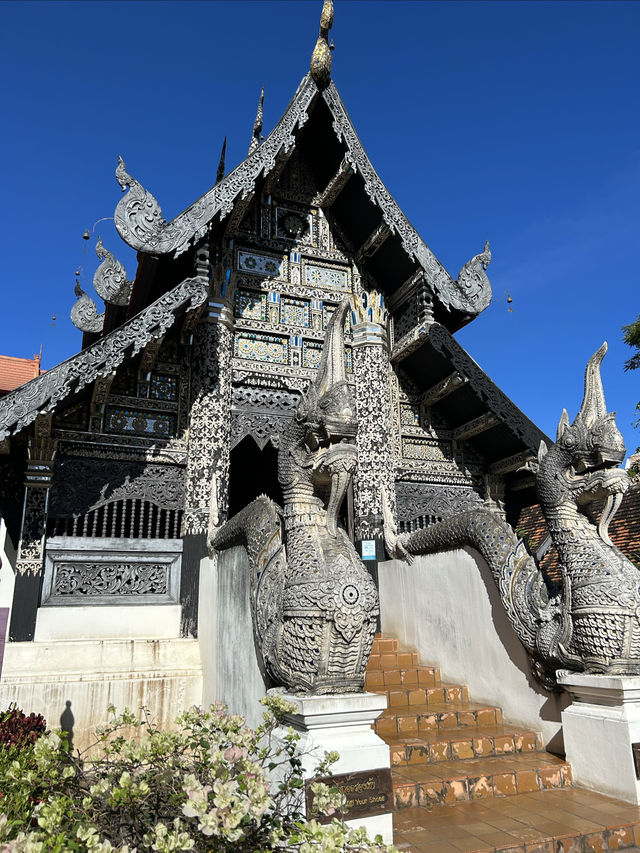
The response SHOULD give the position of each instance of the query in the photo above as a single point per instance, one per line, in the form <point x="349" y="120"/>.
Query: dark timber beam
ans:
<point x="336" y="184"/>
<point x="511" y="463"/>
<point x="373" y="242"/>
<point x="476" y="426"/>
<point x="443" y="388"/>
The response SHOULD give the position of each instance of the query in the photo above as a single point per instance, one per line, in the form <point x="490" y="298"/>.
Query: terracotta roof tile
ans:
<point x="16" y="371"/>
<point x="624" y="530"/>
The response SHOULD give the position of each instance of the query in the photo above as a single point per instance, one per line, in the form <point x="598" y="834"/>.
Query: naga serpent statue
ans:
<point x="313" y="603"/>
<point x="591" y="622"/>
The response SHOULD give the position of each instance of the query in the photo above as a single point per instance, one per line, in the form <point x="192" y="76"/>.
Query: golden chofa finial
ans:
<point x="321" y="56"/>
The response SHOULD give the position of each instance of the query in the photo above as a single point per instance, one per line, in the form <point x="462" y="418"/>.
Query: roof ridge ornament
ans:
<point x="110" y="279"/>
<point x="257" y="125"/>
<point x="472" y="278"/>
<point x="221" y="164"/>
<point x="320" y="66"/>
<point x="84" y="314"/>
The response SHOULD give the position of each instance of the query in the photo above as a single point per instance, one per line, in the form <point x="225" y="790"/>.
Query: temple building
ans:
<point x="200" y="358"/>
<point x="283" y="367"/>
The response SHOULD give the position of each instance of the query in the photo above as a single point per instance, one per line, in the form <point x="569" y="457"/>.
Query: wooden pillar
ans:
<point x="31" y="548"/>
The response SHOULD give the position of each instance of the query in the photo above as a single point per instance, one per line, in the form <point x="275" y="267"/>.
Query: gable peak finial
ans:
<point x="257" y="125"/>
<point x="221" y="164"/>
<point x="320" y="66"/>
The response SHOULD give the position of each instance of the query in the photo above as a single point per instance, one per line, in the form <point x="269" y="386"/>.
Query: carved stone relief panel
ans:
<point x="260" y="413"/>
<point x="419" y="504"/>
<point x="103" y="571"/>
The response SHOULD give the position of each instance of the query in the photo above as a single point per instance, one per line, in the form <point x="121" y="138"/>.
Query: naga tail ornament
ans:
<point x="314" y="605"/>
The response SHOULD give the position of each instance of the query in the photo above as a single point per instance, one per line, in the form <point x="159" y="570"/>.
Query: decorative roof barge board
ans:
<point x="139" y="220"/>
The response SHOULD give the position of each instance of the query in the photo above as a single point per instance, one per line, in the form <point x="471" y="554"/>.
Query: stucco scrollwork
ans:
<point x="138" y="216"/>
<point x="21" y="407"/>
<point x="84" y="313"/>
<point x="110" y="279"/>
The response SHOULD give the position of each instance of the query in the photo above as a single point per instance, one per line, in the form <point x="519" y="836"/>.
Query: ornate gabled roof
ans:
<point x="21" y="407"/>
<point x="139" y="220"/>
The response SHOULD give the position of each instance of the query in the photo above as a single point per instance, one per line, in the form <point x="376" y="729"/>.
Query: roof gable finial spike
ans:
<point x="221" y="164"/>
<point x="320" y="66"/>
<point x="257" y="125"/>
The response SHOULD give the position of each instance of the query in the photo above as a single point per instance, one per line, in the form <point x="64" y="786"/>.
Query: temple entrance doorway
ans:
<point x="252" y="472"/>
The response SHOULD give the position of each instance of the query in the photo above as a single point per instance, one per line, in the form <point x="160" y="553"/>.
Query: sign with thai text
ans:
<point x="367" y="793"/>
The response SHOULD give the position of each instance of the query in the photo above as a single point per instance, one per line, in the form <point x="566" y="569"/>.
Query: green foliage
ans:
<point x="210" y="784"/>
<point x="631" y="336"/>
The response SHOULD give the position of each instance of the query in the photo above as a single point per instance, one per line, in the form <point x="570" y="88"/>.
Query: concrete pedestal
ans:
<point x="343" y="723"/>
<point x="599" y="728"/>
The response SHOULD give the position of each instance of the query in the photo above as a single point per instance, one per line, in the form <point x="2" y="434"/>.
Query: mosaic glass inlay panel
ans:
<point x="250" y="305"/>
<point x="293" y="224"/>
<point x="325" y="277"/>
<point x="163" y="386"/>
<point x="259" y="264"/>
<point x="266" y="348"/>
<point x="409" y="415"/>
<point x="136" y="422"/>
<point x="311" y="353"/>
<point x="295" y="312"/>
<point x="430" y="450"/>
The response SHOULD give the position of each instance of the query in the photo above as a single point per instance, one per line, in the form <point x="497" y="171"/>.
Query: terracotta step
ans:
<point x="460" y="744"/>
<point x="447" y="782"/>
<point x="384" y="644"/>
<point x="419" y="719"/>
<point x="568" y="820"/>
<point x="393" y="660"/>
<point x="394" y="677"/>
<point x="401" y="696"/>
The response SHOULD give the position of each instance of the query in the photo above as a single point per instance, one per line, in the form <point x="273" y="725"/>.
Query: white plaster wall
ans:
<point x="84" y="676"/>
<point x="448" y="608"/>
<point x="7" y="577"/>
<point x="130" y="621"/>
<point x="230" y="662"/>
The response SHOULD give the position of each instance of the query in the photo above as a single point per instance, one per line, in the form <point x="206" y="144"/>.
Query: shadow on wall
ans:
<point x="66" y="723"/>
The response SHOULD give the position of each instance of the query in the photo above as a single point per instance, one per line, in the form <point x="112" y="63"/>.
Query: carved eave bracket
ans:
<point x="42" y="394"/>
<point x="84" y="314"/>
<point x="110" y="279"/>
<point x="138" y="216"/>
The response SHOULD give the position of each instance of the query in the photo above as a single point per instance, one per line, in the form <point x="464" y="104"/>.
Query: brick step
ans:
<point x="401" y="696"/>
<point x="415" y="676"/>
<point x="459" y="744"/>
<point x="553" y="821"/>
<point x="384" y="644"/>
<point x="419" y="719"/>
<point x="393" y="660"/>
<point x="448" y="782"/>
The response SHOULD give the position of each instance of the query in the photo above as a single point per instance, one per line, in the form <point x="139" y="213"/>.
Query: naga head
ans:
<point x="317" y="451"/>
<point x="583" y="463"/>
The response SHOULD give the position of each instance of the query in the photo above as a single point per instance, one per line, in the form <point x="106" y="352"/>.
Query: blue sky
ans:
<point x="511" y="121"/>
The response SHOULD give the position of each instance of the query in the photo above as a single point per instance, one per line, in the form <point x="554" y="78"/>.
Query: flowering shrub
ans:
<point x="206" y="786"/>
<point x="16" y="729"/>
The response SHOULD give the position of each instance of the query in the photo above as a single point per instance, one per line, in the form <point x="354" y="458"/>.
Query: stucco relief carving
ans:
<point x="314" y="605"/>
<point x="21" y="407"/>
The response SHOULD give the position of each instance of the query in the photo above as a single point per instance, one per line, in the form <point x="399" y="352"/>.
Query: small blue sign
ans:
<point x="368" y="549"/>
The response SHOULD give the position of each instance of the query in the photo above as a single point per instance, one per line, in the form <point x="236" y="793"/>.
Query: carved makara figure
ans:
<point x="314" y="605"/>
<point x="592" y="622"/>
